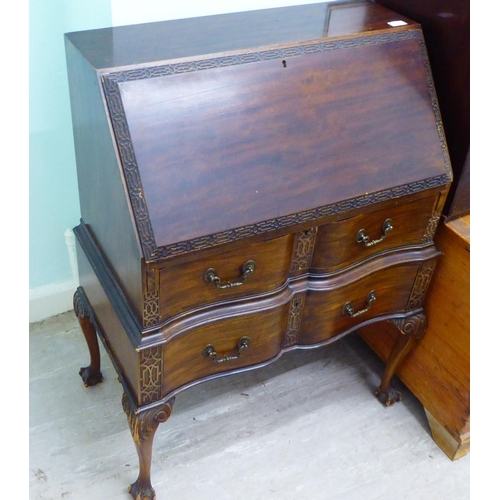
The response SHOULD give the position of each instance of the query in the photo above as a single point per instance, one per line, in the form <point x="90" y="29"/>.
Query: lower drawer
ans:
<point x="212" y="347"/>
<point x="333" y="306"/>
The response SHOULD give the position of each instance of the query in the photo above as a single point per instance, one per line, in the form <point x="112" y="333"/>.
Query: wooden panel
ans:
<point x="446" y="26"/>
<point x="323" y="316"/>
<point x="460" y="205"/>
<point x="110" y="325"/>
<point x="199" y="156"/>
<point x="182" y="287"/>
<point x="126" y="45"/>
<point x="438" y="370"/>
<point x="184" y="359"/>
<point x="411" y="223"/>
<point x="103" y="200"/>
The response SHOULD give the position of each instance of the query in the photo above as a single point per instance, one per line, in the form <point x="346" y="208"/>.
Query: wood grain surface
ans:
<point x="438" y="370"/>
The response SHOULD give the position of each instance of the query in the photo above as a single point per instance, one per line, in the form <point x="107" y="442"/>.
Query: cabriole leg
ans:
<point x="91" y="375"/>
<point x="411" y="331"/>
<point x="143" y="426"/>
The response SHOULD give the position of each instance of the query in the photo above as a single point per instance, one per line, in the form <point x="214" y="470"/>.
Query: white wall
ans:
<point x="54" y="204"/>
<point x="53" y="194"/>
<point x="134" y="12"/>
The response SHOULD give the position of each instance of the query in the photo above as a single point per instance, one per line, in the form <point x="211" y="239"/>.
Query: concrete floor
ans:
<point x="307" y="427"/>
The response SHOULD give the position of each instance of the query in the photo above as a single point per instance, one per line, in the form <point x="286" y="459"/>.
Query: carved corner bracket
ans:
<point x="414" y="325"/>
<point x="143" y="425"/>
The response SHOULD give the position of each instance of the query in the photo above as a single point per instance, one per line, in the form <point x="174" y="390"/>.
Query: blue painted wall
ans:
<point x="54" y="205"/>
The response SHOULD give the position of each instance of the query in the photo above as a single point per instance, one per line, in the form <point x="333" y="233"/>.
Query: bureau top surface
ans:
<point x="247" y="123"/>
<point x="120" y="46"/>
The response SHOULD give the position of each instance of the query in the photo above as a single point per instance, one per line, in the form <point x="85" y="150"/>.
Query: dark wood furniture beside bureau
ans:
<point x="250" y="184"/>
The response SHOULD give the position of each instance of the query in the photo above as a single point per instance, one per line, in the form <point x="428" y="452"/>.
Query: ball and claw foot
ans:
<point x="140" y="491"/>
<point x="390" y="397"/>
<point x="411" y="330"/>
<point x="90" y="377"/>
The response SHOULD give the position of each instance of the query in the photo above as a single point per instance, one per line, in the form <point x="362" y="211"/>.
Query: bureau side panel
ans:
<point x="118" y="344"/>
<point x="103" y="202"/>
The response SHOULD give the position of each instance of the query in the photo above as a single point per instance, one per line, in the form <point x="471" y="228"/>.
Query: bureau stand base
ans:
<point x="411" y="331"/>
<point x="144" y="421"/>
<point x="143" y="426"/>
<point x="91" y="375"/>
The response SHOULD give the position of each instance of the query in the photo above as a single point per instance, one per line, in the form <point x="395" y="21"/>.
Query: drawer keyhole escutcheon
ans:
<point x="348" y="309"/>
<point x="210" y="276"/>
<point x="211" y="352"/>
<point x="363" y="238"/>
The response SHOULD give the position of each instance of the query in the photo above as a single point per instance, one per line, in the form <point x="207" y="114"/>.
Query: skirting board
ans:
<point x="49" y="300"/>
<point x="56" y="298"/>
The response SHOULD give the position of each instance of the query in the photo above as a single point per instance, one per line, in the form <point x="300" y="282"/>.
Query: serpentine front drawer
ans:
<point x="255" y="268"/>
<point x="249" y="184"/>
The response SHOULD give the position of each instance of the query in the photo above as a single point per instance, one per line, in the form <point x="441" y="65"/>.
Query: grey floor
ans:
<point x="307" y="427"/>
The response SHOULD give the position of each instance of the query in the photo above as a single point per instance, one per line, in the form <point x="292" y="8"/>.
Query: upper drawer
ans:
<point x="253" y="269"/>
<point x="395" y="225"/>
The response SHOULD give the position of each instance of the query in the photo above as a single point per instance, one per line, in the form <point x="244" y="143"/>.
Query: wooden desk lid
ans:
<point x="217" y="147"/>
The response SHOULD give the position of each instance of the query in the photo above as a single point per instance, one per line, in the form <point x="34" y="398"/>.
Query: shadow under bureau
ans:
<point x="250" y="184"/>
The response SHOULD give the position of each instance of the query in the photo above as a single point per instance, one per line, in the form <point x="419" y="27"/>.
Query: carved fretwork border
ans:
<point x="432" y="227"/>
<point x="150" y="372"/>
<point x="294" y="318"/>
<point x="151" y="298"/>
<point x="421" y="285"/>
<point x="153" y="253"/>
<point x="151" y="308"/>
<point x="303" y="249"/>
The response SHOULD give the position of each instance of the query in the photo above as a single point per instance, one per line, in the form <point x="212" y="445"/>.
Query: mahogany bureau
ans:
<point x="250" y="184"/>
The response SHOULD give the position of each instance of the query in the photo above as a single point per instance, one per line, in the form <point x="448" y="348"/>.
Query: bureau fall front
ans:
<point x="250" y="184"/>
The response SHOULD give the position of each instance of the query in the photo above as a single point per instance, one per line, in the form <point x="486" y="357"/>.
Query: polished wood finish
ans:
<point x="323" y="316"/>
<point x="91" y="375"/>
<point x="411" y="330"/>
<point x="123" y="46"/>
<point x="446" y="27"/>
<point x="184" y="353"/>
<point x="183" y="288"/>
<point x="438" y="370"/>
<point x="409" y="219"/>
<point x="297" y="120"/>
<point x="143" y="426"/>
<point x="460" y="205"/>
<point x="100" y="179"/>
<point x="273" y="143"/>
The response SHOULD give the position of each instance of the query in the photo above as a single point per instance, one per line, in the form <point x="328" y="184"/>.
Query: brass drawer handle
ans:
<point x="348" y="309"/>
<point x="210" y="276"/>
<point x="363" y="238"/>
<point x="210" y="352"/>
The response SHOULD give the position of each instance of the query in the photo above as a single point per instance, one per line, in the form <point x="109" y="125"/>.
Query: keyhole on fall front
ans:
<point x="284" y="63"/>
